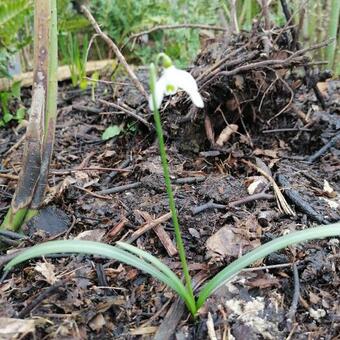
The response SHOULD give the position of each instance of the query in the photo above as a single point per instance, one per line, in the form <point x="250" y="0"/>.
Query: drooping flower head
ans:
<point x="171" y="81"/>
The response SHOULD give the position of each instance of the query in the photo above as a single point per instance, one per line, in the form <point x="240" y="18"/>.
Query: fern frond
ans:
<point x="10" y="10"/>
<point x="12" y="18"/>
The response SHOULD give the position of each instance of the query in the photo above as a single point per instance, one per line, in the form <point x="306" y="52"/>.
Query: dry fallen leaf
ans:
<point x="97" y="323"/>
<point x="263" y="280"/>
<point x="226" y="133"/>
<point x="46" y="269"/>
<point x="144" y="330"/>
<point x="91" y="235"/>
<point x="15" y="328"/>
<point x="256" y="184"/>
<point x="228" y="242"/>
<point x="328" y="190"/>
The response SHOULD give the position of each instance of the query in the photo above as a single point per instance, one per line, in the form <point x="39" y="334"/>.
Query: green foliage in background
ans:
<point x="12" y="96"/>
<point x="121" y="18"/>
<point x="12" y="37"/>
<point x="73" y="48"/>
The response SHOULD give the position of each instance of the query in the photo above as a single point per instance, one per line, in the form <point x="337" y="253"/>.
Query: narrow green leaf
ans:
<point x="262" y="251"/>
<point x="20" y="114"/>
<point x="105" y="250"/>
<point x="16" y="89"/>
<point x="160" y="266"/>
<point x="7" y="117"/>
<point x="111" y="132"/>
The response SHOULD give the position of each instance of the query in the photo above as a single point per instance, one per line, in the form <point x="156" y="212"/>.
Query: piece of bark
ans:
<point x="166" y="240"/>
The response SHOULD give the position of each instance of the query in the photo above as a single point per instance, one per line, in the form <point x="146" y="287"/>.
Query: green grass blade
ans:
<point x="262" y="251"/>
<point x="150" y="258"/>
<point x="105" y="250"/>
<point x="158" y="264"/>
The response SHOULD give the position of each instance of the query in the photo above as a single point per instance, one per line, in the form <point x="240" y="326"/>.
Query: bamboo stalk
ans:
<point x="51" y="108"/>
<point x="40" y="131"/>
<point x="332" y="32"/>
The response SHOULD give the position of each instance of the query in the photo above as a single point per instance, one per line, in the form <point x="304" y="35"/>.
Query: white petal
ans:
<point x="160" y="89"/>
<point x="196" y="98"/>
<point x="185" y="81"/>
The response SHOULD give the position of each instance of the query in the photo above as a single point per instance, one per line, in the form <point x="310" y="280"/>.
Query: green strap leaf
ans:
<point x="160" y="266"/>
<point x="262" y="251"/>
<point x="105" y="250"/>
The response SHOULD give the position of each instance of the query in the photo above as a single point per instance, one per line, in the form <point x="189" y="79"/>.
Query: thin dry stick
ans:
<point x="289" y="103"/>
<point x="211" y="328"/>
<point x="115" y="49"/>
<point x="9" y="176"/>
<point x="94" y="168"/>
<point x="128" y="112"/>
<point x="16" y="145"/>
<point x="282" y="203"/>
<point x="272" y="63"/>
<point x="147" y="227"/>
<point x="93" y="193"/>
<point x="264" y="4"/>
<point x="172" y="27"/>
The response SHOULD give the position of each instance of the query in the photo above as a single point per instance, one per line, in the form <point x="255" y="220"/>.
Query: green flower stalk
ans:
<point x="168" y="85"/>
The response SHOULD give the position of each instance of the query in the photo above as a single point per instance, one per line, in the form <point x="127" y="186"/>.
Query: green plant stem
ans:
<point x="260" y="252"/>
<point x="13" y="221"/>
<point x="332" y="32"/>
<point x="166" y="173"/>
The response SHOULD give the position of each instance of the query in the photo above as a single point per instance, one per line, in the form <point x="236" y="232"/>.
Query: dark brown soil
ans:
<point x="84" y="297"/>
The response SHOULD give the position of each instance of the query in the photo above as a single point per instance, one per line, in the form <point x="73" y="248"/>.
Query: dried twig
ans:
<point x="294" y="58"/>
<point x="128" y="112"/>
<point x="295" y="301"/>
<point x="94" y="168"/>
<point x="162" y="235"/>
<point x="210" y="205"/>
<point x="324" y="149"/>
<point x="251" y="198"/>
<point x="148" y="226"/>
<point x="299" y="202"/>
<point x="9" y="176"/>
<point x="211" y="328"/>
<point x="41" y="297"/>
<point x="115" y="49"/>
<point x="282" y="203"/>
<point x="178" y="26"/>
<point x="89" y="192"/>
<point x="120" y="188"/>
<point x="189" y="180"/>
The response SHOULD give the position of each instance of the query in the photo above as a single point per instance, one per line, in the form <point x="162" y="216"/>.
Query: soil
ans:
<point x="86" y="297"/>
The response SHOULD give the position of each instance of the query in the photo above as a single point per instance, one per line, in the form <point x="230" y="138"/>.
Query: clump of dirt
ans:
<point x="250" y="83"/>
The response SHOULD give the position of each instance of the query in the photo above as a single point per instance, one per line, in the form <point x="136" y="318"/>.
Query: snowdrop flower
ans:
<point x="171" y="81"/>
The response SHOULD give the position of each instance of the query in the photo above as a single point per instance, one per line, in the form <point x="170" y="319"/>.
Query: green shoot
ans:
<point x="142" y="260"/>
